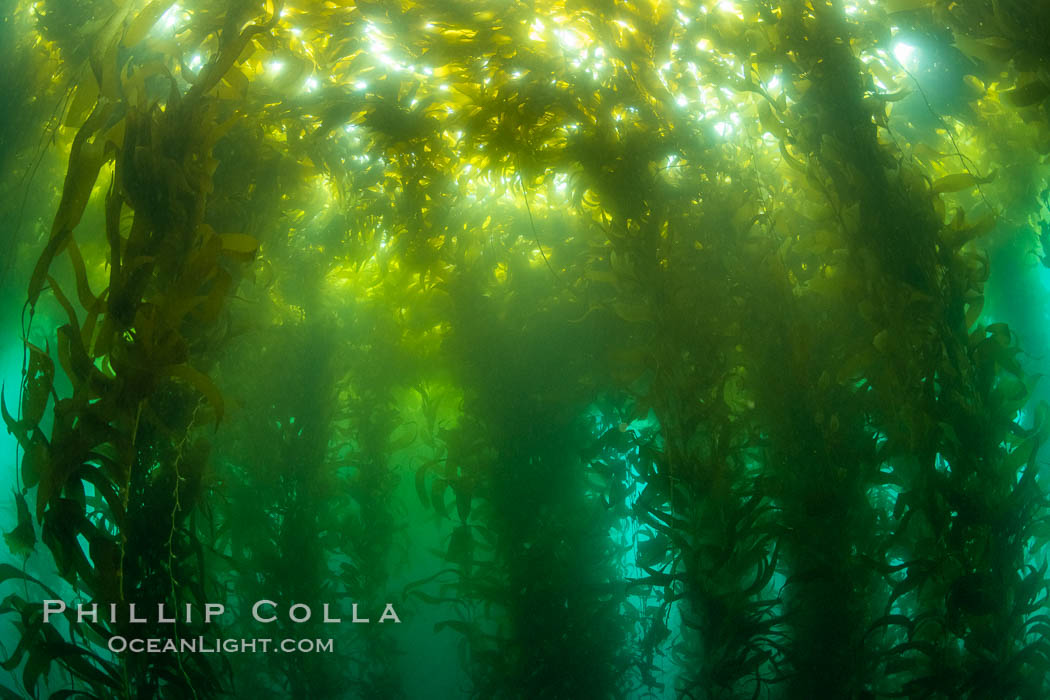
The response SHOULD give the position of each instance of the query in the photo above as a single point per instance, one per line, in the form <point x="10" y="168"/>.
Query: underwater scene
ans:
<point x="538" y="349"/>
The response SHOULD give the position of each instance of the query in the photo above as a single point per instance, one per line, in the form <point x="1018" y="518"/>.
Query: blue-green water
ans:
<point x="587" y="350"/>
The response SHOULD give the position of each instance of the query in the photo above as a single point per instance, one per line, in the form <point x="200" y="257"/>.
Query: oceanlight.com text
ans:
<point x="156" y="645"/>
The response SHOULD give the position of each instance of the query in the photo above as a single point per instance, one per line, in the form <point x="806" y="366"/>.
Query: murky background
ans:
<point x="625" y="349"/>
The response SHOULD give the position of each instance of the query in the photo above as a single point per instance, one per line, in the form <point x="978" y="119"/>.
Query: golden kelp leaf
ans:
<point x="237" y="81"/>
<point x="894" y="6"/>
<point x="789" y="159"/>
<point x="604" y="276"/>
<point x="174" y="308"/>
<point x="990" y="50"/>
<point x="23" y="537"/>
<point x="103" y="57"/>
<point x="974" y="86"/>
<point x="135" y="86"/>
<point x="64" y="302"/>
<point x="85" y="162"/>
<point x="84" y="100"/>
<point x="927" y="152"/>
<point x="884" y="74"/>
<point x="960" y="181"/>
<point x="201" y="383"/>
<point x="1027" y="95"/>
<point x="84" y="295"/>
<point x="222" y="128"/>
<point x="239" y="245"/>
<point x="229" y="53"/>
<point x="769" y="121"/>
<point x="211" y="306"/>
<point x="140" y="26"/>
<point x="959" y="235"/>
<point x="894" y="96"/>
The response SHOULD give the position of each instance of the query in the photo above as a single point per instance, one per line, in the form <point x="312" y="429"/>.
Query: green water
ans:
<point x="524" y="350"/>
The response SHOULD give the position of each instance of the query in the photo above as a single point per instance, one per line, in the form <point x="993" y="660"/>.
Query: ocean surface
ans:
<point x="540" y="350"/>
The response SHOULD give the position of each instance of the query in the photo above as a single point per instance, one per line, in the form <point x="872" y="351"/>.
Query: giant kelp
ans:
<point x="471" y="249"/>
<point x="121" y="447"/>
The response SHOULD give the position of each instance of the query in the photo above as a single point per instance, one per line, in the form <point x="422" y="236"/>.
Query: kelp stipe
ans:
<point x="127" y="443"/>
<point x="637" y="350"/>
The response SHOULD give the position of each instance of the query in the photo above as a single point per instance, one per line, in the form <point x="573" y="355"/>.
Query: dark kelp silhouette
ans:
<point x="639" y="349"/>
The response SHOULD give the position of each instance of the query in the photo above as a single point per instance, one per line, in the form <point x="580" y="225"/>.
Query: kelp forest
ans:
<point x="539" y="349"/>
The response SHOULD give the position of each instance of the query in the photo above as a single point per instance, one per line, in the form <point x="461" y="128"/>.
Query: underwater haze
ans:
<point x="560" y="349"/>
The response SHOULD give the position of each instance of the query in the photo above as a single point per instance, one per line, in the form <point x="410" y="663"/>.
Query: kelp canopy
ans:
<point x="629" y="349"/>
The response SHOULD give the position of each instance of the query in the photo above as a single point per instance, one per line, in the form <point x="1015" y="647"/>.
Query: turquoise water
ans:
<point x="588" y="350"/>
